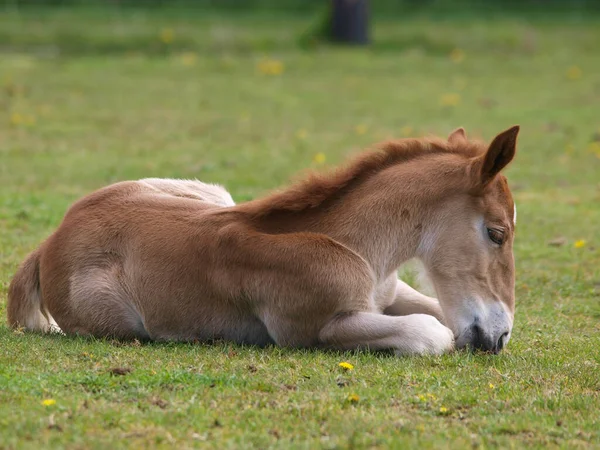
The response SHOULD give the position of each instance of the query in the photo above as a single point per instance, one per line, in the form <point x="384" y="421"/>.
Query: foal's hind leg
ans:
<point x="101" y="306"/>
<point x="409" y="301"/>
<point x="413" y="334"/>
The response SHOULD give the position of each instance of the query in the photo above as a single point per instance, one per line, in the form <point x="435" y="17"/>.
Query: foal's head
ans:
<point x="468" y="251"/>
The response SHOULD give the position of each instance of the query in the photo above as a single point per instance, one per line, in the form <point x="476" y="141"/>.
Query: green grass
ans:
<point x="86" y="101"/>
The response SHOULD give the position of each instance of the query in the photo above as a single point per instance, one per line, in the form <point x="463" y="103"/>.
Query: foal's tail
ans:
<point x="24" y="308"/>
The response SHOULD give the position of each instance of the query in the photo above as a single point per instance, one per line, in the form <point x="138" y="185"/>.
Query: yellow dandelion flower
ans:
<point x="188" y="58"/>
<point x="302" y="133"/>
<point x="457" y="55"/>
<point x="167" y="35"/>
<point x="574" y="73"/>
<point x="360" y="129"/>
<point x="346" y="365"/>
<point x="406" y="130"/>
<point x="580" y="243"/>
<point x="422" y="397"/>
<point x="276" y="68"/>
<point x="270" y="67"/>
<point x="491" y="386"/>
<point x="443" y="410"/>
<point x="16" y="119"/>
<point x="594" y="147"/>
<point x="320" y="158"/>
<point x="48" y="402"/>
<point x="451" y="99"/>
<point x="431" y="396"/>
<point x="353" y="398"/>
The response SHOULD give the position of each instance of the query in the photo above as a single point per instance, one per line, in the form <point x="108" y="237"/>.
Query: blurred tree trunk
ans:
<point x="350" y="21"/>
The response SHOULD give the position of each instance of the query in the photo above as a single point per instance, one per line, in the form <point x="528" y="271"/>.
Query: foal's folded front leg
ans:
<point x="406" y="335"/>
<point x="410" y="301"/>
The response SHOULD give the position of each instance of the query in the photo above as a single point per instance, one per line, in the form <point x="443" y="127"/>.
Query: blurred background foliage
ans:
<point x="304" y="6"/>
<point x="72" y="27"/>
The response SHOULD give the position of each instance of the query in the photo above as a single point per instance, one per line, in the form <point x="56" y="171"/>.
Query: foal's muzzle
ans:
<point x="487" y="330"/>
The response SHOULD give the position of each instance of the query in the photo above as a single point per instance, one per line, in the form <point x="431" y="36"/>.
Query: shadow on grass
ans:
<point x="233" y="349"/>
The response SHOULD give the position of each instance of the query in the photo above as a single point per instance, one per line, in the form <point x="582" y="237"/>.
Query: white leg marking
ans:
<point x="406" y="335"/>
<point x="54" y="328"/>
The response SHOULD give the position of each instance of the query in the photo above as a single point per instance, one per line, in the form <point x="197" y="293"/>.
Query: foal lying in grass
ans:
<point x="312" y="265"/>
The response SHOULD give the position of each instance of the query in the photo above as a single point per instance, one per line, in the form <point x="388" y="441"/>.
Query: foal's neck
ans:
<point x="382" y="218"/>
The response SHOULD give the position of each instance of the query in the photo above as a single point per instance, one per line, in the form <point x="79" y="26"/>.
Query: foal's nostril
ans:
<point x="477" y="333"/>
<point x="501" y="341"/>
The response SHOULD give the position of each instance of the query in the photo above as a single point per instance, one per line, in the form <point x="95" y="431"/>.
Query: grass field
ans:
<point x="89" y="99"/>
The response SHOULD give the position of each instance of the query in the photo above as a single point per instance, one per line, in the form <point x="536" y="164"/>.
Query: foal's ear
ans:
<point x="457" y="135"/>
<point x="500" y="152"/>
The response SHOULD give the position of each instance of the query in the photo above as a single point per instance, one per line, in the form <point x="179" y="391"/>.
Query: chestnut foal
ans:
<point x="312" y="265"/>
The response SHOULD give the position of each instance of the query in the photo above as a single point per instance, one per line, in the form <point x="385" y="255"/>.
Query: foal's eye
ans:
<point x="496" y="235"/>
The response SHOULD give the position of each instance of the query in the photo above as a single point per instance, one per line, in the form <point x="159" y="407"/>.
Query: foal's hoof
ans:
<point x="427" y="336"/>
